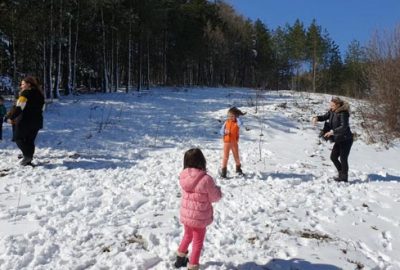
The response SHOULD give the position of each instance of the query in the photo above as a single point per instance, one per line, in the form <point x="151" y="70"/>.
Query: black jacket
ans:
<point x="30" y="118"/>
<point x="339" y="122"/>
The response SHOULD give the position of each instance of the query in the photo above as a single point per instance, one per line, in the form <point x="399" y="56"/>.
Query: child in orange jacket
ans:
<point x="230" y="133"/>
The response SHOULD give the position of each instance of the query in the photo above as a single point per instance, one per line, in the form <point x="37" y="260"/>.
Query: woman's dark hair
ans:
<point x="34" y="83"/>
<point x="1" y="98"/>
<point x="337" y="101"/>
<point x="194" y="158"/>
<point x="236" y="112"/>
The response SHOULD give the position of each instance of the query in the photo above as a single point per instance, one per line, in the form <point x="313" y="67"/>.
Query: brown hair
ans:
<point x="33" y="82"/>
<point x="337" y="101"/>
<point x="194" y="158"/>
<point x="236" y="112"/>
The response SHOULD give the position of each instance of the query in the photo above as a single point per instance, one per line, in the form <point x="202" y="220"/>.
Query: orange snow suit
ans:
<point x="231" y="132"/>
<point x="231" y="138"/>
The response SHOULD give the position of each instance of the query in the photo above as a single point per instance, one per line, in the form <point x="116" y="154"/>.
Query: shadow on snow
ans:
<point x="279" y="264"/>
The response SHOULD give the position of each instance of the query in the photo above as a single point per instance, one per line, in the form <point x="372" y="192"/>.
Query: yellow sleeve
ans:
<point x="21" y="102"/>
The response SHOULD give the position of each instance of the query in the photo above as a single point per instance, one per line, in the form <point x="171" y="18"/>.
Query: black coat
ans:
<point x="30" y="119"/>
<point x="339" y="122"/>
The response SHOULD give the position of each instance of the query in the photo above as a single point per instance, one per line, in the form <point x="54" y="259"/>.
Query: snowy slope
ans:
<point x="105" y="193"/>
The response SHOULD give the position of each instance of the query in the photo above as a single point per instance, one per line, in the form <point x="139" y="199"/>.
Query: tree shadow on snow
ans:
<point x="289" y="176"/>
<point x="298" y="264"/>
<point x="86" y="161"/>
<point x="278" y="264"/>
<point x="387" y="177"/>
<point x="283" y="124"/>
<point x="377" y="178"/>
<point x="97" y="163"/>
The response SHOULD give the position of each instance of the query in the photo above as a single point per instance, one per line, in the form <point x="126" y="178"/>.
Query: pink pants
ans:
<point x="234" y="147"/>
<point x="196" y="237"/>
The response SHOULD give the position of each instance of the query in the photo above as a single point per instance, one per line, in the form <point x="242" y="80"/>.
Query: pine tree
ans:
<point x="355" y="76"/>
<point x="263" y="55"/>
<point x="316" y="48"/>
<point x="297" y="48"/>
<point x="332" y="80"/>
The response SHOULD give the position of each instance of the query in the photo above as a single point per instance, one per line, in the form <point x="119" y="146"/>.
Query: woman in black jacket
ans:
<point x="338" y="121"/>
<point x="28" y="118"/>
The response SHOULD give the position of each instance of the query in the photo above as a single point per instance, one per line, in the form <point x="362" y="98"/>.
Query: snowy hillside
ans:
<point x="105" y="193"/>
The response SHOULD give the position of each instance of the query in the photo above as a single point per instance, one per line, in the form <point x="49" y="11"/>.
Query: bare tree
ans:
<point x="68" y="89"/>
<point x="50" y="66"/>
<point x="384" y="78"/>
<point x="56" y="92"/>
<point x="116" y="70"/>
<point x="148" y="61"/>
<point x="75" y="48"/>
<point x="14" y="50"/>
<point x="129" y="71"/>
<point x="105" y="73"/>
<point x="44" y="64"/>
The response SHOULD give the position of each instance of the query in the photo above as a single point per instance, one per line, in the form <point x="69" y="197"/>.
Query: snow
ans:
<point x="5" y="82"/>
<point x="4" y="40"/>
<point x="105" y="193"/>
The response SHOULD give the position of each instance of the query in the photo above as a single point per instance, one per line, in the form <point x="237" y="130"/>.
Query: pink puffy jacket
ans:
<point x="198" y="192"/>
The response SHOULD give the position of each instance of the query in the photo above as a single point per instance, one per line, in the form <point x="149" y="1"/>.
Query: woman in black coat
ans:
<point x="28" y="118"/>
<point x="338" y="120"/>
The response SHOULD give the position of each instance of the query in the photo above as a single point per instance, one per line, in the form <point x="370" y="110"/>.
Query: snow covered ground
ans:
<point x="105" y="193"/>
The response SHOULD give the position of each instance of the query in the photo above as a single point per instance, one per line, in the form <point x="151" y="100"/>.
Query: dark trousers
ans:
<point x="27" y="143"/>
<point x="341" y="150"/>
<point x="13" y="133"/>
<point x="1" y="128"/>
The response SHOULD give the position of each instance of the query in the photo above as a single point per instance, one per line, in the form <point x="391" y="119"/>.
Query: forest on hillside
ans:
<point x="113" y="43"/>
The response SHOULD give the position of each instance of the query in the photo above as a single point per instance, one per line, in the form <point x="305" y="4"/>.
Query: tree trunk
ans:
<point x="164" y="78"/>
<point x="116" y="70"/>
<point x="44" y="66"/>
<point x="148" y="62"/>
<point x="14" y="59"/>
<point x="50" y="78"/>
<point x="105" y="75"/>
<point x="74" y="81"/>
<point x="139" y="83"/>
<point x="128" y="83"/>
<point x="56" y="92"/>
<point x="314" y="65"/>
<point x="112" y="61"/>
<point x="68" y="89"/>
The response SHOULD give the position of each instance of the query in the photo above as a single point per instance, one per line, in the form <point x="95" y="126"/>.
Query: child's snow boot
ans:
<point x="193" y="267"/>
<point x="239" y="170"/>
<point x="181" y="260"/>
<point x="223" y="172"/>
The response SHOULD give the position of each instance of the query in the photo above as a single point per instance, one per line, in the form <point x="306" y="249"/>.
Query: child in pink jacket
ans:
<point x="196" y="213"/>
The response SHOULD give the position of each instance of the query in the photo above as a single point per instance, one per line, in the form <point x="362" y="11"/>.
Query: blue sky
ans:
<point x="345" y="20"/>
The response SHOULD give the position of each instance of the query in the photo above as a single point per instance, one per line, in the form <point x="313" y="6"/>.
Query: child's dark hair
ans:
<point x="236" y="112"/>
<point x="194" y="158"/>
